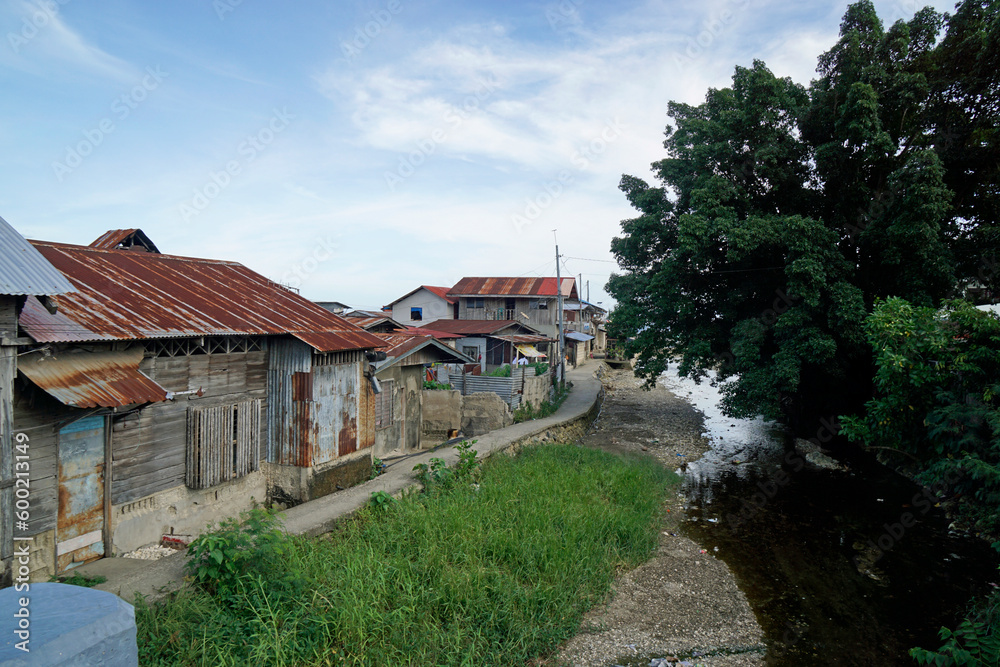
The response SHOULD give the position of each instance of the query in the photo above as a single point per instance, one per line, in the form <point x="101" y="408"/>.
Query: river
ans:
<point x="846" y="566"/>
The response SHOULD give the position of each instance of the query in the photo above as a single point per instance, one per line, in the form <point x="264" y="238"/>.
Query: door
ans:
<point x="80" y="528"/>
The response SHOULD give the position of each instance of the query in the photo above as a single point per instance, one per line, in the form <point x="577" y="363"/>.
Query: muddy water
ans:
<point x="849" y="566"/>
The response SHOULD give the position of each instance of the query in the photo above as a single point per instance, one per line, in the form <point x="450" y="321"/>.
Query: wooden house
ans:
<point x="490" y="343"/>
<point x="530" y="301"/>
<point x="23" y="273"/>
<point x="170" y="392"/>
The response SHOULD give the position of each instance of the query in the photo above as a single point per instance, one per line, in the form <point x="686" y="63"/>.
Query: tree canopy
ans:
<point x="783" y="213"/>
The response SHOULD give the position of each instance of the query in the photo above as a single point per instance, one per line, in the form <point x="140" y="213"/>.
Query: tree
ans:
<point x="783" y="214"/>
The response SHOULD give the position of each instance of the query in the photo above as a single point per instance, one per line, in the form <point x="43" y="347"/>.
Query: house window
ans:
<point x="223" y="443"/>
<point x="477" y="303"/>
<point x="471" y="351"/>
<point x="543" y="304"/>
<point x="416" y="314"/>
<point x="384" y="414"/>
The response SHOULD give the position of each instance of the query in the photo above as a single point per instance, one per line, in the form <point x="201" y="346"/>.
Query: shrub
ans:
<point x="431" y="384"/>
<point x="238" y="549"/>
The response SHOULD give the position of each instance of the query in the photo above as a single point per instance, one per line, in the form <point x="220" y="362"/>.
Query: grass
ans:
<point x="495" y="573"/>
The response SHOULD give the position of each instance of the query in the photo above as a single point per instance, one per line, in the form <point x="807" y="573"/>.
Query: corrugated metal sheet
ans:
<point x="23" y="270"/>
<point x="577" y="336"/>
<point x="512" y="287"/>
<point x="402" y="346"/>
<point x="93" y="379"/>
<point x="123" y="295"/>
<point x="480" y="327"/>
<point x="289" y="422"/>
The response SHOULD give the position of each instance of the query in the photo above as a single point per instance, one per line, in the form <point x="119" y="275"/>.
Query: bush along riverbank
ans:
<point x="489" y="565"/>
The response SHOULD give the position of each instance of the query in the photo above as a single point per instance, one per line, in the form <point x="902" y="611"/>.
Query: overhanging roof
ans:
<point x="480" y="327"/>
<point x="92" y="379"/>
<point x="402" y="346"/>
<point x="577" y="336"/>
<point x="128" y="295"/>
<point x="23" y="270"/>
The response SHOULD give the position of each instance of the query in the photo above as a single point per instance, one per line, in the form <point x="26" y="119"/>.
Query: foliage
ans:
<point x="378" y="467"/>
<point x="783" y="213"/>
<point x="496" y="576"/>
<point x="77" y="579"/>
<point x="431" y="384"/>
<point x="541" y="367"/>
<point x="527" y="411"/>
<point x="437" y="477"/>
<point x="937" y="399"/>
<point x="975" y="643"/>
<point x="223" y="560"/>
<point x="501" y="372"/>
<point x="380" y="500"/>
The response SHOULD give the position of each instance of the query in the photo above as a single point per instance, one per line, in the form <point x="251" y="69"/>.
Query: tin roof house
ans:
<point x="169" y="392"/>
<point x="23" y="273"/>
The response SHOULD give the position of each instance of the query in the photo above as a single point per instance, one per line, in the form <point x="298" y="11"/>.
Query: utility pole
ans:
<point x="561" y="373"/>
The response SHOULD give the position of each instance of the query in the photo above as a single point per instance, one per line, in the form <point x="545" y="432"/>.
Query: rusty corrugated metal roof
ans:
<point x="403" y="345"/>
<point x="92" y="379"/>
<point x="124" y="295"/>
<point x="512" y="287"/>
<point x="424" y="331"/>
<point x="23" y="270"/>
<point x="131" y="238"/>
<point x="480" y="327"/>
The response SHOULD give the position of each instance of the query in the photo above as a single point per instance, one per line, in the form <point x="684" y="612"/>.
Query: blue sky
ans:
<point x="359" y="149"/>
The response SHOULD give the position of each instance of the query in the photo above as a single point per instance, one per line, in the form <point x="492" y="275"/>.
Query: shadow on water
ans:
<point x="852" y="566"/>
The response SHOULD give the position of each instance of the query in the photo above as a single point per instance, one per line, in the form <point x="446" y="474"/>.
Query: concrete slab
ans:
<point x="154" y="579"/>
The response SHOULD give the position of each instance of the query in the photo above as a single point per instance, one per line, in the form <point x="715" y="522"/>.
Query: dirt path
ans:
<point x="683" y="604"/>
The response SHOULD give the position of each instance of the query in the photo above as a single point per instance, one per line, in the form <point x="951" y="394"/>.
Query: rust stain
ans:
<point x="512" y="287"/>
<point x="125" y="295"/>
<point x="347" y="439"/>
<point x="93" y="379"/>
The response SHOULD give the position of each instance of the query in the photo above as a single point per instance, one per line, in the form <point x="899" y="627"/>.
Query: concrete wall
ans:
<point x="537" y="389"/>
<point x="403" y="434"/>
<point x="442" y="412"/>
<point x="484" y="412"/>
<point x="476" y="342"/>
<point x="434" y="308"/>
<point x="182" y="511"/>
<point x="288" y="486"/>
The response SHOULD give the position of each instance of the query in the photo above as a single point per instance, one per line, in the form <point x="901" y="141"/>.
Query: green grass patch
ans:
<point x="497" y="572"/>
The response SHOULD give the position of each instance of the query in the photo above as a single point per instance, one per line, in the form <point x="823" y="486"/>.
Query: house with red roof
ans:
<point x="426" y="303"/>
<point x="530" y="301"/>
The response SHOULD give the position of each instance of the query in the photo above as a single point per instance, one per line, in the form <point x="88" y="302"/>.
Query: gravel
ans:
<point x="683" y="606"/>
<point x="154" y="552"/>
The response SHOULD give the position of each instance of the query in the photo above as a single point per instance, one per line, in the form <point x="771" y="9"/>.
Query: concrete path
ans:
<point x="154" y="579"/>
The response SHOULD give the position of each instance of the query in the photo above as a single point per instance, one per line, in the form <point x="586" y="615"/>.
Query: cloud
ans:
<point x="40" y="40"/>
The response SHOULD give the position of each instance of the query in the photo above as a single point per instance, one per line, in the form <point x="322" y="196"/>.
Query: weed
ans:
<point x="78" y="580"/>
<point x="498" y="576"/>
<point x="527" y="411"/>
<point x="254" y="544"/>
<point x="378" y="467"/>
<point x="380" y="500"/>
<point x="430" y="384"/>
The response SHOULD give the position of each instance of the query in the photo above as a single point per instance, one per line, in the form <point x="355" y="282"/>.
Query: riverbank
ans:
<point x="684" y="603"/>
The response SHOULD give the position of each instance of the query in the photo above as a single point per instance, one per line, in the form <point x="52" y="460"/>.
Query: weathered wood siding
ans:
<point x="39" y="417"/>
<point x="149" y="446"/>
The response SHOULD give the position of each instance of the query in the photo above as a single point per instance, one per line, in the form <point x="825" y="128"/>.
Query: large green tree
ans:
<point x="782" y="214"/>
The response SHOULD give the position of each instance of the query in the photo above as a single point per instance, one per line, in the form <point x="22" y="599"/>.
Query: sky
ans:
<point x="357" y="149"/>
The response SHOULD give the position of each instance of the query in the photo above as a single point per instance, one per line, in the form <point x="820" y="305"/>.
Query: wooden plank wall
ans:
<point x="38" y="416"/>
<point x="149" y="447"/>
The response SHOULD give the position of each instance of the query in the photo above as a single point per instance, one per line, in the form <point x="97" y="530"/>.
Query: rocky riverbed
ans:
<point x="683" y="606"/>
